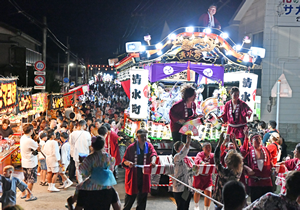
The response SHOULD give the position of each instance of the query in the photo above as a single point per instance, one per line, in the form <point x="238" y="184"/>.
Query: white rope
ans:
<point x="217" y="202"/>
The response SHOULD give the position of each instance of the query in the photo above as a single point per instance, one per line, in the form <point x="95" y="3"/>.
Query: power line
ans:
<point x="41" y="26"/>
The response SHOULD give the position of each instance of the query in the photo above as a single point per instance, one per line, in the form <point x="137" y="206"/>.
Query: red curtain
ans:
<point x="126" y="86"/>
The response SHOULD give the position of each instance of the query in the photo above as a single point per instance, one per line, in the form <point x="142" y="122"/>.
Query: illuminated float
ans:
<point x="187" y="55"/>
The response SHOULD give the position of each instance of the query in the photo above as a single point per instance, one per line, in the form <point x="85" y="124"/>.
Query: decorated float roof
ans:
<point x="193" y="44"/>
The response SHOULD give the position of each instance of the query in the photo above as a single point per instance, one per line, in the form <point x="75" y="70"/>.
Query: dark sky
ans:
<point x="98" y="28"/>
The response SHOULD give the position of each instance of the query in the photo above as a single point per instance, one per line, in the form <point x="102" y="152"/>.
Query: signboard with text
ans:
<point x="8" y="95"/>
<point x="248" y="85"/>
<point x="40" y="102"/>
<point x="24" y="99"/>
<point x="55" y="101"/>
<point x="289" y="13"/>
<point x="138" y="93"/>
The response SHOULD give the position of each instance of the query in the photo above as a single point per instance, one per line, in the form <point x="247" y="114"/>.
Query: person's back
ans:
<point x="234" y="195"/>
<point x="51" y="150"/>
<point x="27" y="145"/>
<point x="82" y="144"/>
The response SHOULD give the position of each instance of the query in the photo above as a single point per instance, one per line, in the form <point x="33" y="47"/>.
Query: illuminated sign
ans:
<point x="8" y="95"/>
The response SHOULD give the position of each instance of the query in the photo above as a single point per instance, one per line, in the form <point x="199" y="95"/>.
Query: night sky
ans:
<point x="99" y="29"/>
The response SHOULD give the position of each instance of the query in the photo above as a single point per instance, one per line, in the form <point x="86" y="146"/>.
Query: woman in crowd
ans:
<point x="235" y="113"/>
<point x="259" y="159"/>
<point x="97" y="168"/>
<point x="274" y="147"/>
<point x="181" y="112"/>
<point x="233" y="171"/>
<point x="183" y="171"/>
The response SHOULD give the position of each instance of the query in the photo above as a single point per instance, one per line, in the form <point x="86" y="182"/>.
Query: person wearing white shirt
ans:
<point x="65" y="160"/>
<point x="51" y="151"/>
<point x="29" y="150"/>
<point x="80" y="143"/>
<point x="42" y="159"/>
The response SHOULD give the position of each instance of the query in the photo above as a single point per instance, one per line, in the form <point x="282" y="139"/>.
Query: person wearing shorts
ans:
<point x="29" y="160"/>
<point x="51" y="150"/>
<point x="42" y="160"/>
<point x="203" y="182"/>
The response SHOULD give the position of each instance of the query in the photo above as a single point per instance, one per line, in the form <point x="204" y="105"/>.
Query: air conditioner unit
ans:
<point x="133" y="47"/>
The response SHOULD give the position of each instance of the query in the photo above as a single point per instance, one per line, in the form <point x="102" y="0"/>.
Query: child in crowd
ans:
<point x="65" y="160"/>
<point x="9" y="187"/>
<point x="51" y="150"/>
<point x="42" y="160"/>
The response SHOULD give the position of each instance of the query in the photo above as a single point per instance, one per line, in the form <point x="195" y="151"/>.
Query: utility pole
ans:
<point x="45" y="45"/>
<point x="76" y="77"/>
<point x="68" y="56"/>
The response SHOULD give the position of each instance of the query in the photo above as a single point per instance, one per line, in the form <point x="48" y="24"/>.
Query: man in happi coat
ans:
<point x="138" y="184"/>
<point x="235" y="113"/>
<point x="112" y="146"/>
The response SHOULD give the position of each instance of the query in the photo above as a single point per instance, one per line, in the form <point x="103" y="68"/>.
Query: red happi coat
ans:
<point x="293" y="164"/>
<point x="203" y="181"/>
<point x="131" y="182"/>
<point x="251" y="161"/>
<point x="240" y="117"/>
<point x="179" y="111"/>
<point x="111" y="142"/>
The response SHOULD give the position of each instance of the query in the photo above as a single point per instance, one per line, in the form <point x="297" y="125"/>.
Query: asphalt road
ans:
<point x="57" y="200"/>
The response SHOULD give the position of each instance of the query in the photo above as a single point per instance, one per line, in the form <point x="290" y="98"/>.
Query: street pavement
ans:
<point x="57" y="200"/>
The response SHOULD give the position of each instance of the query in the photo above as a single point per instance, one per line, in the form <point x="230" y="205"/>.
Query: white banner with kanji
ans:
<point x="138" y="93"/>
<point x="248" y="85"/>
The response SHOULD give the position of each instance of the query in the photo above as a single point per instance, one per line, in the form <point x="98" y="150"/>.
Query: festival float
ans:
<point x="151" y="76"/>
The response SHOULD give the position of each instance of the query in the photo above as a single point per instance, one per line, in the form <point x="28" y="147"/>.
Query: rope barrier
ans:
<point x="217" y="202"/>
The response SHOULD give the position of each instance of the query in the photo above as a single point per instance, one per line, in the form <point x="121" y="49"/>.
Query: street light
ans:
<point x="70" y="64"/>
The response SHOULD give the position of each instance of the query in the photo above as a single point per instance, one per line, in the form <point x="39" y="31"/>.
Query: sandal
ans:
<point x="45" y="184"/>
<point x="41" y="183"/>
<point x="32" y="198"/>
<point x="23" y="196"/>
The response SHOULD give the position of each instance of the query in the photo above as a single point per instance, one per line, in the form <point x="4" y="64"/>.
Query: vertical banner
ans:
<point x="8" y="95"/>
<point x="138" y="93"/>
<point x="248" y="85"/>
<point x="24" y="99"/>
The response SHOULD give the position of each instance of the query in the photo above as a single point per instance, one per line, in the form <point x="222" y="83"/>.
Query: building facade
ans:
<point x="275" y="26"/>
<point x="18" y="53"/>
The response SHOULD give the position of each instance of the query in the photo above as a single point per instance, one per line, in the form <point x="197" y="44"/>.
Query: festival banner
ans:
<point x="248" y="85"/>
<point x="8" y="95"/>
<point x="138" y="93"/>
<point x="40" y="102"/>
<point x="24" y="99"/>
<point x="55" y="101"/>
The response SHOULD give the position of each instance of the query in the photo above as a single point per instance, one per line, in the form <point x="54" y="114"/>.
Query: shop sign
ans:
<point x="8" y="95"/>
<point x="24" y="99"/>
<point x="289" y="13"/>
<point x="55" y="101"/>
<point x="39" y="102"/>
<point x="69" y="99"/>
<point x="138" y="93"/>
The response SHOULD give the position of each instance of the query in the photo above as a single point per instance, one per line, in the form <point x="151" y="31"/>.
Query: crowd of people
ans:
<point x="250" y="166"/>
<point x="81" y="145"/>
